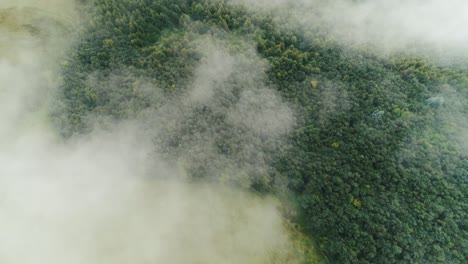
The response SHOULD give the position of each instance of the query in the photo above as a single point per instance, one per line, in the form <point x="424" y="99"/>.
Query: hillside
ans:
<point x="367" y="153"/>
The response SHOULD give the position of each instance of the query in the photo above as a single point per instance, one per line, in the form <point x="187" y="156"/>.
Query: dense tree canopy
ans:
<point x="374" y="163"/>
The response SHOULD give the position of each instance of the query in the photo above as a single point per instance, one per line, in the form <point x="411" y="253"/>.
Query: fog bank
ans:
<point x="434" y="28"/>
<point x="101" y="197"/>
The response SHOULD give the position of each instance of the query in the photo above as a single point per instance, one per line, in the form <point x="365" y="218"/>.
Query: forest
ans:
<point x="366" y="154"/>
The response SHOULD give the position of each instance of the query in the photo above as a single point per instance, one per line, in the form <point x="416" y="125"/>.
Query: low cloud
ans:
<point x="434" y="28"/>
<point x="109" y="196"/>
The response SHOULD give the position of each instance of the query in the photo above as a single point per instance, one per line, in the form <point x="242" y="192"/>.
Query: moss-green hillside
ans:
<point x="374" y="165"/>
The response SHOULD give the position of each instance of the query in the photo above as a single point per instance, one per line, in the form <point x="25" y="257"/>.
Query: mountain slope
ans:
<point x="369" y="150"/>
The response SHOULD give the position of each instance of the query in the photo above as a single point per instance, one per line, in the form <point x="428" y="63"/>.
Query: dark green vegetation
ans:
<point x="373" y="163"/>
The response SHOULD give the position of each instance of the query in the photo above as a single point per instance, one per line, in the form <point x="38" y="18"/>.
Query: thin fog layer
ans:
<point x="222" y="127"/>
<point x="51" y="7"/>
<point x="229" y="86"/>
<point x="94" y="199"/>
<point x="434" y="27"/>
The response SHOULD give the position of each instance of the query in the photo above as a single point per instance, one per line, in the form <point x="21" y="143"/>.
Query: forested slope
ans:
<point x="374" y="161"/>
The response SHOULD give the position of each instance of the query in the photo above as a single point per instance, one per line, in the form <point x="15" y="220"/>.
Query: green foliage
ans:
<point x="372" y="164"/>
